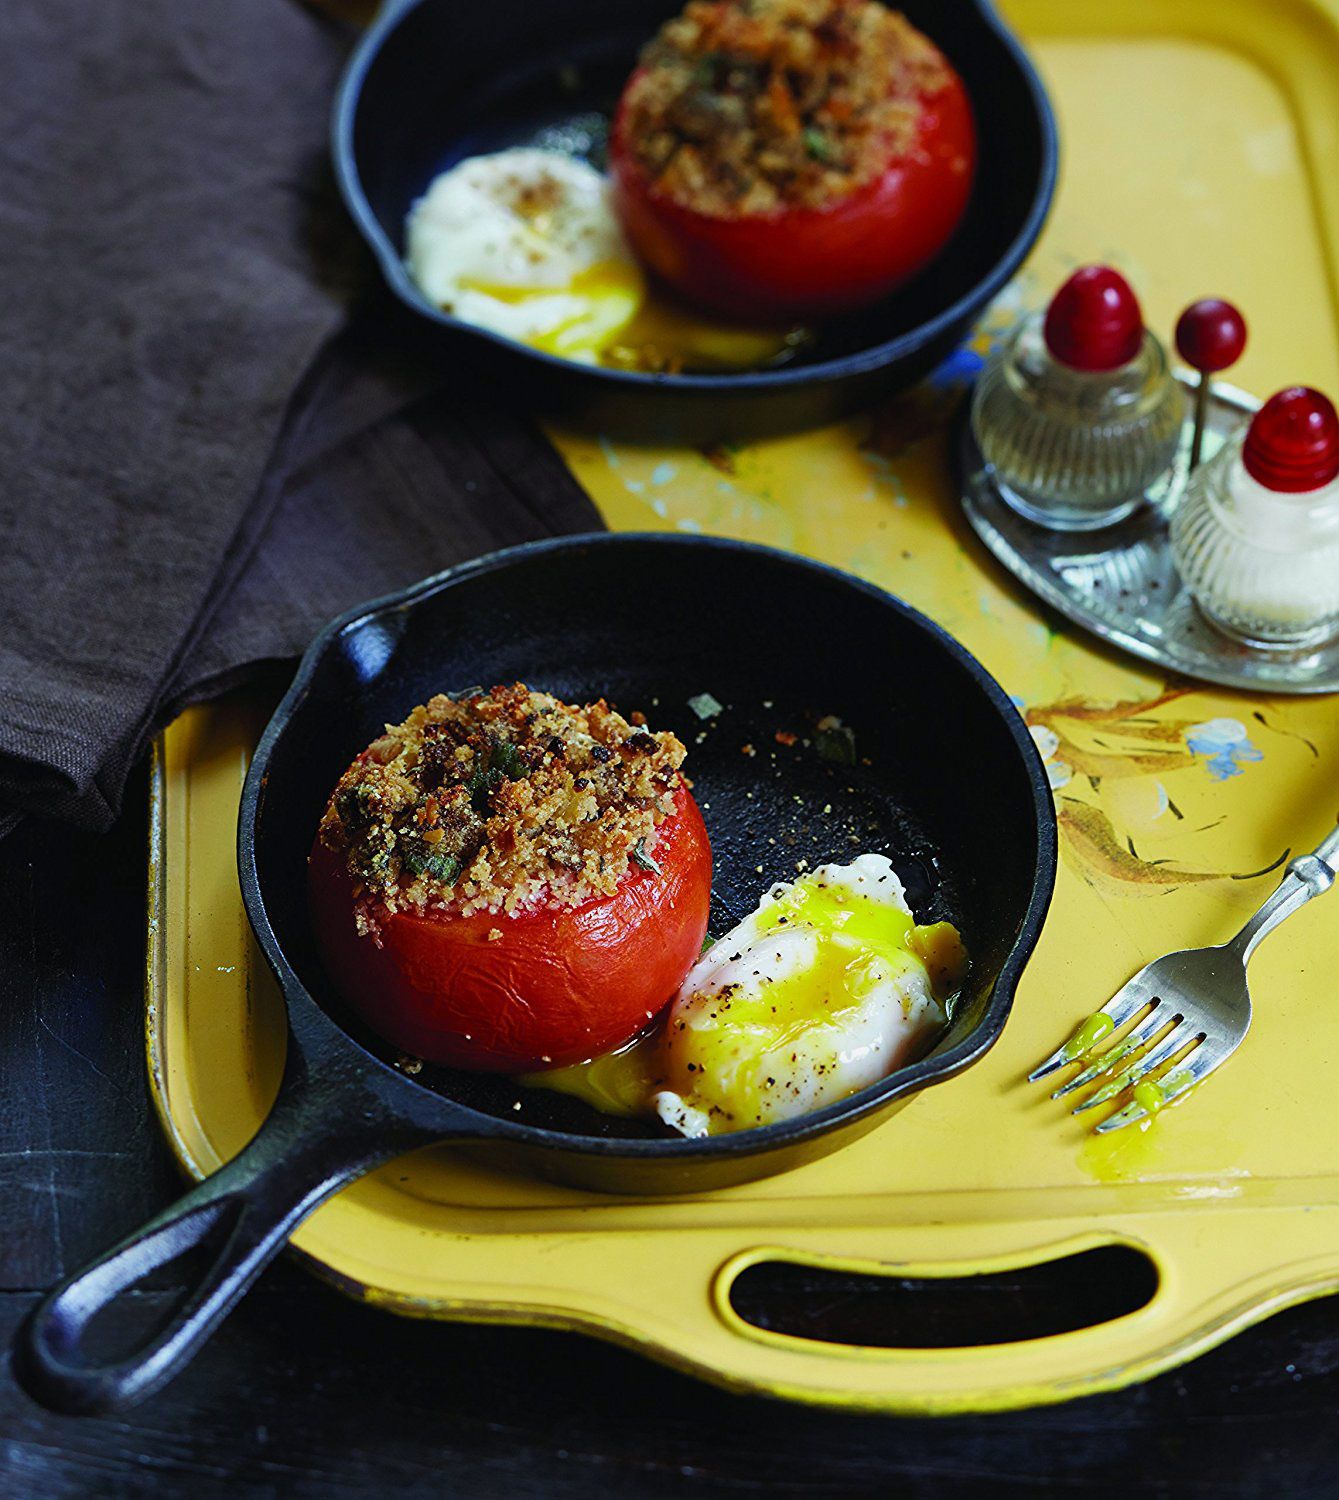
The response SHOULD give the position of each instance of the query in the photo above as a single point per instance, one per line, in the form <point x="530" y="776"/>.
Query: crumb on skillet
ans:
<point x="499" y="801"/>
<point x="753" y="106"/>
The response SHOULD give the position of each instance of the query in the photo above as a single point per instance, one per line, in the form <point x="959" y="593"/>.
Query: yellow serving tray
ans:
<point x="1201" y="153"/>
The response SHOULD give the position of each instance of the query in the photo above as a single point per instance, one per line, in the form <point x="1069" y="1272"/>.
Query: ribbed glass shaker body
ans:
<point x="1262" y="565"/>
<point x="1075" y="449"/>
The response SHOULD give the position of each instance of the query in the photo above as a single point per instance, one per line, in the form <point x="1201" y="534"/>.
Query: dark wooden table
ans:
<point x="306" y="1393"/>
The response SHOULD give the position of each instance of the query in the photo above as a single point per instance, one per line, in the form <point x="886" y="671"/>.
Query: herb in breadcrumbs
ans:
<point x="499" y="801"/>
<point x="753" y="106"/>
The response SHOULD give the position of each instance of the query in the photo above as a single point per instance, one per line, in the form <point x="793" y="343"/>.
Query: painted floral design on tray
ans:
<point x="1117" y="769"/>
<point x="1225" y="746"/>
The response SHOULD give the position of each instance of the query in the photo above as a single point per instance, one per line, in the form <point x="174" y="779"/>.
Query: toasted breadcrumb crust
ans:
<point x="500" y="801"/>
<point x="746" y="107"/>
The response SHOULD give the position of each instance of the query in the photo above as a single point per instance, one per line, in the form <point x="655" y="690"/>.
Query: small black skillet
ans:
<point x="945" y="780"/>
<point x="434" y="81"/>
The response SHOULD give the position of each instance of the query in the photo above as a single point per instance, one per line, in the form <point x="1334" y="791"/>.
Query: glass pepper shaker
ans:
<point x="1077" y="412"/>
<point x="1256" y="535"/>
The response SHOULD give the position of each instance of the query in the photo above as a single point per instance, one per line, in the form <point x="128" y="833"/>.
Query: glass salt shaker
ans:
<point x="1077" y="412"/>
<point x="1256" y="535"/>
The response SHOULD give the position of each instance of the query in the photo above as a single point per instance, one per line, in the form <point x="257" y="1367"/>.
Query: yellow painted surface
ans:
<point x="1200" y="152"/>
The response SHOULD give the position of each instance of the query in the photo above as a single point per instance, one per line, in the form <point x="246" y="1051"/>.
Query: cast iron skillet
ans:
<point x="946" y="782"/>
<point x="437" y="80"/>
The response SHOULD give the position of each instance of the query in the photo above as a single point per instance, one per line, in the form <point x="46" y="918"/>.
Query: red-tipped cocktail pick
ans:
<point x="1210" y="336"/>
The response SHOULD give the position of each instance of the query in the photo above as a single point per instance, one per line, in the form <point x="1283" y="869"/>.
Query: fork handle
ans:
<point x="1307" y="876"/>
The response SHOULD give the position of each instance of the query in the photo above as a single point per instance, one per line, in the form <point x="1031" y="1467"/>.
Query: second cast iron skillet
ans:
<point x="434" y="81"/>
<point x="946" y="782"/>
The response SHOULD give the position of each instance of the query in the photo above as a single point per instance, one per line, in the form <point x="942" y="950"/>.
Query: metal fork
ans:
<point x="1193" y="1008"/>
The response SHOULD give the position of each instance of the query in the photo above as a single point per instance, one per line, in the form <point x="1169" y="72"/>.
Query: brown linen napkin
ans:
<point x="199" y="461"/>
<point x="386" y="472"/>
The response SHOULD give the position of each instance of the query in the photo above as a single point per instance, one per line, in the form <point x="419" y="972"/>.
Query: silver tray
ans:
<point x="1120" y="582"/>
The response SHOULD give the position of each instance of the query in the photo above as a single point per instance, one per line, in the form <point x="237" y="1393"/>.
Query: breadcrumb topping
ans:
<point x="752" y="106"/>
<point x="499" y="801"/>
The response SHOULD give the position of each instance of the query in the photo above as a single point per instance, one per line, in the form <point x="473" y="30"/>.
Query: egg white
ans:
<point x="814" y="995"/>
<point x="526" y="243"/>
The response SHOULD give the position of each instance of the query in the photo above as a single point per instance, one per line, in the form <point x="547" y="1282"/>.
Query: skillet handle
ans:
<point x="312" y="1144"/>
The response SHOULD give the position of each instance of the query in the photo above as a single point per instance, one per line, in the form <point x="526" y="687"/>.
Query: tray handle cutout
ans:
<point x="881" y="1308"/>
<point x="1209" y="1278"/>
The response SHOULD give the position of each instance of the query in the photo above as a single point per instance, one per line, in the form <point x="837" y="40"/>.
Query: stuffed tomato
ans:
<point x="507" y="883"/>
<point x="784" y="159"/>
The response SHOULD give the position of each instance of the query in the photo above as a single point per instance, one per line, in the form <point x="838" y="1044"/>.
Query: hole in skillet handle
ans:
<point x="324" y="1131"/>
<point x="839" y="1306"/>
<point x="62" y="1356"/>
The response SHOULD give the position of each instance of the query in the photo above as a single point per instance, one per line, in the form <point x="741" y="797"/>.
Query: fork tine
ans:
<point x="1128" y="1001"/>
<point x="1168" y="1047"/>
<point x="1131" y="998"/>
<point x="1057" y="1059"/>
<point x="1195" y="1068"/>
<point x="1143" y="1031"/>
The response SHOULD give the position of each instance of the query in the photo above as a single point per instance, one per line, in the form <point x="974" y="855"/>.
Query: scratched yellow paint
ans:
<point x="1201" y="152"/>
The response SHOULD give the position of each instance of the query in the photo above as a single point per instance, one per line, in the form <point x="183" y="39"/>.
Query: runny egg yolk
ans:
<point x="582" y="319"/>
<point x="827" y="987"/>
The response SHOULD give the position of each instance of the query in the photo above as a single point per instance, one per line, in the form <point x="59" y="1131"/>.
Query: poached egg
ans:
<point x="525" y="242"/>
<point x="828" y="986"/>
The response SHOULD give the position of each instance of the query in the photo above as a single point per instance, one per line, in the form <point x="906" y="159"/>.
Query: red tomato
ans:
<point x="805" y="262"/>
<point x="560" y="985"/>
